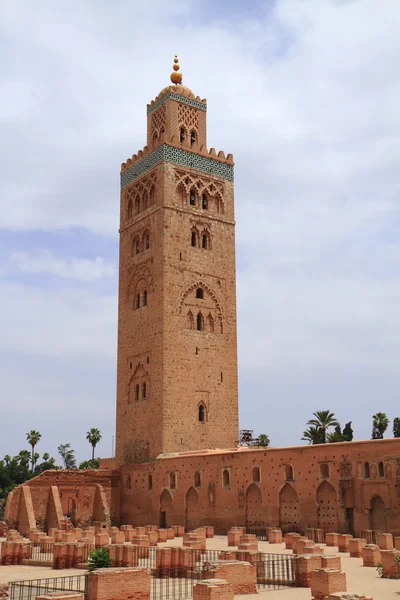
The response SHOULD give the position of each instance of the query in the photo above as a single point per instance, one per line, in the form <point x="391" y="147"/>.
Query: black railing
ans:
<point x="175" y="583"/>
<point x="29" y="589"/>
<point x="276" y="571"/>
<point x="261" y="533"/>
<point x="41" y="552"/>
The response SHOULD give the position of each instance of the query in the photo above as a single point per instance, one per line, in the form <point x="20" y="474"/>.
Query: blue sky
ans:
<point x="306" y="96"/>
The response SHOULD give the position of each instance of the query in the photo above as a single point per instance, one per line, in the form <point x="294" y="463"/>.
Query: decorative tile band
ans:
<point x="179" y="98"/>
<point x="180" y="157"/>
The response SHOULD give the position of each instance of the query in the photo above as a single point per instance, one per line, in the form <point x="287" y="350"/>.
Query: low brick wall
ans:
<point x="327" y="581"/>
<point x="213" y="589"/>
<point x="371" y="555"/>
<point x="119" y="584"/>
<point x="240" y="575"/>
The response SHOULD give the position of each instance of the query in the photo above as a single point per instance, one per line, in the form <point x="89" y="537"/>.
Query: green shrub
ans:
<point x="99" y="559"/>
<point x="379" y="568"/>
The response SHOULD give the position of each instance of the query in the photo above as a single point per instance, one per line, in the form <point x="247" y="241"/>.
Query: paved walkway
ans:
<point x="360" y="580"/>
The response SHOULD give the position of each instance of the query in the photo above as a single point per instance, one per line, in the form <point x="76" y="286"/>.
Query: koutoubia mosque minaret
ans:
<point x="177" y="387"/>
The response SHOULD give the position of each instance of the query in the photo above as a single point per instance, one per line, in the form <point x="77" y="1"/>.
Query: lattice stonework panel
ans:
<point x="158" y="122"/>
<point x="180" y="157"/>
<point x="187" y="116"/>
<point x="144" y="186"/>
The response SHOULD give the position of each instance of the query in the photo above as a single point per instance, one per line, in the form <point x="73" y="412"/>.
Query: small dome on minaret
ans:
<point x="176" y="75"/>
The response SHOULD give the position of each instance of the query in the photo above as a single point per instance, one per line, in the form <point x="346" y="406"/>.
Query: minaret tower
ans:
<point x="177" y="384"/>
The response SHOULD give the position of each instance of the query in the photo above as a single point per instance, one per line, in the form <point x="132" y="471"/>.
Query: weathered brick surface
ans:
<point x="371" y="555"/>
<point x="355" y="547"/>
<point x="385" y="541"/>
<point x="213" y="589"/>
<point x="119" y="584"/>
<point x="343" y="542"/>
<point x="304" y="566"/>
<point x="327" y="581"/>
<point x="390" y="560"/>
<point x="331" y="539"/>
<point x="240" y="575"/>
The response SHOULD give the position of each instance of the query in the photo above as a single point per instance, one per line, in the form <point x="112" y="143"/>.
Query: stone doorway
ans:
<point x="192" y="509"/>
<point x="165" y="509"/>
<point x="254" y="507"/>
<point x="378" y="514"/>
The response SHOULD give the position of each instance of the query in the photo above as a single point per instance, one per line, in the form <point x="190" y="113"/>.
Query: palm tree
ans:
<point x="33" y="438"/>
<point x="263" y="440"/>
<point x="380" y="423"/>
<point x="93" y="436"/>
<point x="323" y="420"/>
<point x="68" y="456"/>
<point x="312" y="435"/>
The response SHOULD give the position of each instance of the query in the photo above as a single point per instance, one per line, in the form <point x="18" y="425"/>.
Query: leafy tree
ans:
<point x="33" y="438"/>
<point x="99" y="559"/>
<point x="323" y="420"/>
<point x="263" y="440"/>
<point x="68" y="456"/>
<point x="48" y="463"/>
<point x="93" y="436"/>
<point x="336" y="436"/>
<point x="380" y="423"/>
<point x="348" y="432"/>
<point x="90" y="464"/>
<point x="312" y="435"/>
<point x="396" y="427"/>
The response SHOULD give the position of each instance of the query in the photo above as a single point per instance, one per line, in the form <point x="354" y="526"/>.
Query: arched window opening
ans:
<point x="381" y="469"/>
<point x="204" y="241"/>
<point x="192" y="198"/>
<point x="152" y="195"/>
<point x="190" y="320"/>
<point x="192" y="137"/>
<point x="200" y="322"/>
<point x="202" y="413"/>
<point x="144" y="391"/>
<point x="204" y="201"/>
<point x="137" y="205"/>
<point x="367" y="471"/>
<point x="138" y="301"/>
<point x="137" y="392"/>
<point x="324" y="470"/>
<point x="256" y="474"/>
<point x="226" y="478"/>
<point x="145" y="298"/>
<point x="128" y="483"/>
<point x="130" y="209"/>
<point x="197" y="479"/>
<point x="137" y="246"/>
<point x="200" y="293"/>
<point x="193" y="239"/>
<point x="150" y="482"/>
<point x="182" y="134"/>
<point x="289" y="473"/>
<point x="145" y="201"/>
<point x="172" y="481"/>
<point x="210" y="322"/>
<point x="146" y="241"/>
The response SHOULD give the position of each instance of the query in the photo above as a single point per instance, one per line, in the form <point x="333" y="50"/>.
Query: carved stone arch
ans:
<point x="254" y="506"/>
<point x="327" y="507"/>
<point x="201" y="284"/>
<point x="141" y="275"/>
<point x="165" y="509"/>
<point x="192" y="509"/>
<point x="289" y="507"/>
<point x="378" y="520"/>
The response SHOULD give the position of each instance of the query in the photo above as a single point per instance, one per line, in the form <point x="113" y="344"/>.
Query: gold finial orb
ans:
<point x="176" y="76"/>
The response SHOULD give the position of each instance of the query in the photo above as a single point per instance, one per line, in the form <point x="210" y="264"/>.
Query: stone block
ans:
<point x="101" y="539"/>
<point x="275" y="536"/>
<point x="132" y="583"/>
<point x="331" y="562"/>
<point x="289" y="538"/>
<point x="327" y="581"/>
<point x="209" y="531"/>
<point x="240" y="575"/>
<point x="397" y="543"/>
<point x="390" y="560"/>
<point x="162" y="535"/>
<point x="371" y="555"/>
<point x="304" y="566"/>
<point x="117" y="537"/>
<point x="213" y="589"/>
<point x="385" y="541"/>
<point x="179" y="530"/>
<point x="355" y="547"/>
<point x="331" y="539"/>
<point x="343" y="542"/>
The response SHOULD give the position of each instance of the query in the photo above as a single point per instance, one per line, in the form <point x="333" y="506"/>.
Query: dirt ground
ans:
<point x="360" y="580"/>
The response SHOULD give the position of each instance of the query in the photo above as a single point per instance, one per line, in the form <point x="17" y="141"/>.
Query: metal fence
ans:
<point x="276" y="571"/>
<point x="29" y="589"/>
<point x="261" y="533"/>
<point x="42" y="551"/>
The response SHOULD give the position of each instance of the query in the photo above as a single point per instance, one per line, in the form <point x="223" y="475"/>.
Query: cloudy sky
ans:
<point x="306" y="95"/>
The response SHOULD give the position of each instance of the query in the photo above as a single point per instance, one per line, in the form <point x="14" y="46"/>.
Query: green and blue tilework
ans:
<point x="179" y="98"/>
<point x="179" y="157"/>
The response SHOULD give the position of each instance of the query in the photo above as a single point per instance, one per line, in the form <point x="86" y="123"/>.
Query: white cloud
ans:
<point x="44" y="261"/>
<point x="306" y="96"/>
